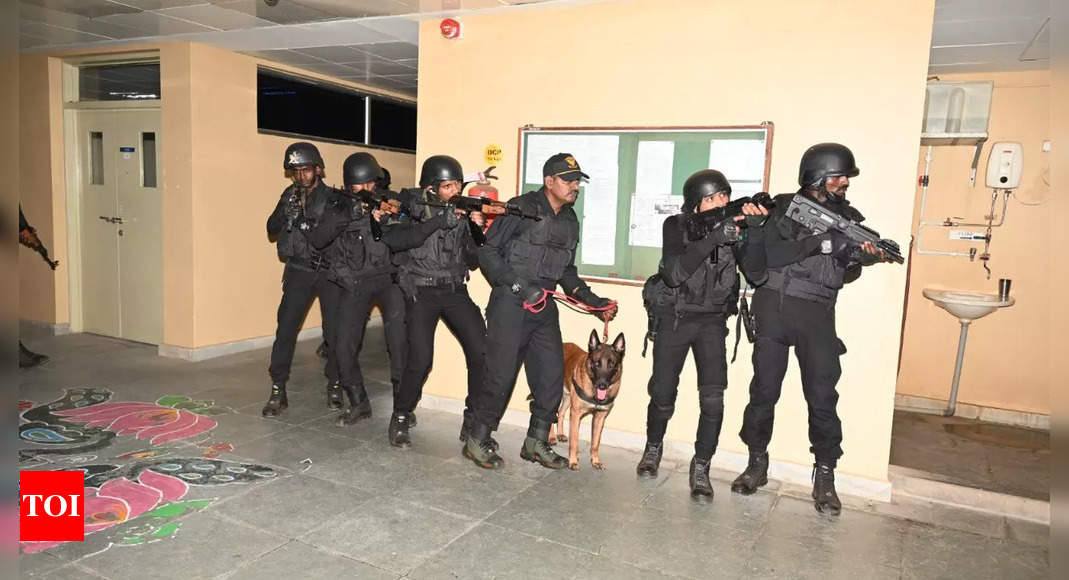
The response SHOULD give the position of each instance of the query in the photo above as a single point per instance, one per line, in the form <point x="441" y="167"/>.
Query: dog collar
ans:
<point x="579" y="392"/>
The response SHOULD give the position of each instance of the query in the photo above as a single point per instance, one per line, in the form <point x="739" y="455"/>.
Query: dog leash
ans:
<point x="573" y="303"/>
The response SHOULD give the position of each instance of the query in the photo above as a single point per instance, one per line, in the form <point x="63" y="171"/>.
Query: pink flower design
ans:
<point x="121" y="500"/>
<point x="150" y="421"/>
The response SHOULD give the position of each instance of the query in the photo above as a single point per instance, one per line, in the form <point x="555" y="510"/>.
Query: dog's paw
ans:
<point x="574" y="466"/>
<point x="562" y="438"/>
<point x="598" y="465"/>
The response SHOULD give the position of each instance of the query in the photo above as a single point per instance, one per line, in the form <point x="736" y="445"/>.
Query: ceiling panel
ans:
<point x="290" y="57"/>
<point x="158" y="4"/>
<point x="964" y="32"/>
<point x="357" y="8"/>
<point x="33" y="13"/>
<point x="87" y="8"/>
<point x="216" y="17"/>
<point x="391" y="50"/>
<point x="339" y="54"/>
<point x="281" y="13"/>
<point x="153" y="24"/>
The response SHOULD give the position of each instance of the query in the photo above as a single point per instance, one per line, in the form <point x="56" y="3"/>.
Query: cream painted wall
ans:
<point x="237" y="178"/>
<point x="694" y="62"/>
<point x="221" y="274"/>
<point x="42" y="292"/>
<point x="1006" y="360"/>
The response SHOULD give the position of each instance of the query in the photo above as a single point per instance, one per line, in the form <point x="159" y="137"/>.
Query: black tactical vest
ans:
<point x="712" y="288"/>
<point x="292" y="245"/>
<point x="817" y="278"/>
<point x="441" y="258"/>
<point x="355" y="255"/>
<point x="545" y="249"/>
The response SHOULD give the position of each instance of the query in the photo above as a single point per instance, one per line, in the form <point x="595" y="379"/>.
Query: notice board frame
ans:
<point x="631" y="278"/>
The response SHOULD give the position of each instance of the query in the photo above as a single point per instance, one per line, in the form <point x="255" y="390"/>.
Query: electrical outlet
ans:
<point x="966" y="235"/>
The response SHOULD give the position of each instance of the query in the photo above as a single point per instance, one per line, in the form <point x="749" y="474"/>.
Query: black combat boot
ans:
<point x="334" y="396"/>
<point x="28" y="358"/>
<point x="651" y="459"/>
<point x="755" y="476"/>
<point x="397" y="430"/>
<point x="277" y="402"/>
<point x="465" y="428"/>
<point x="481" y="449"/>
<point x="359" y="406"/>
<point x="699" y="478"/>
<point x="536" y="447"/>
<point x="824" y="497"/>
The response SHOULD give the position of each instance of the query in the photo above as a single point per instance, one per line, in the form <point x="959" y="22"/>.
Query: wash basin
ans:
<point x="967" y="306"/>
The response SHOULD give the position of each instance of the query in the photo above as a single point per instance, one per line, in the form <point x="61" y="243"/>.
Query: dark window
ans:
<point x="393" y="124"/>
<point x="119" y="82"/>
<point x="96" y="158"/>
<point x="148" y="159"/>
<point x="288" y="105"/>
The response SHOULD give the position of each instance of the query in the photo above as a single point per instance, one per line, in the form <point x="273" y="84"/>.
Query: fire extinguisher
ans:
<point x="483" y="188"/>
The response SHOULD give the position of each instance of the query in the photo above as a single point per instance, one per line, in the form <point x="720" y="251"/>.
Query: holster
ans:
<point x="651" y="332"/>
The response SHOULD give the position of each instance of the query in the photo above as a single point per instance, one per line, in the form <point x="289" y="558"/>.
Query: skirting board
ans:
<point x="783" y="471"/>
<point x="967" y="411"/>
<point x="217" y="350"/>
<point x="53" y="329"/>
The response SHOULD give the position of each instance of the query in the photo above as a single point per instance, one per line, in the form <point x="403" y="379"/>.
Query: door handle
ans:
<point x="111" y="220"/>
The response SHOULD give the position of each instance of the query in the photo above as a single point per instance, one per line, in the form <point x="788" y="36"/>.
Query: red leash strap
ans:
<point x="540" y="305"/>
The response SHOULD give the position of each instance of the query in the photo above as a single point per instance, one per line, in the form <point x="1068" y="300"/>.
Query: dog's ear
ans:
<point x="595" y="342"/>
<point x="619" y="344"/>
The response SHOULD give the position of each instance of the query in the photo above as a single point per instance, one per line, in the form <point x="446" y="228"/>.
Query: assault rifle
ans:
<point x="373" y="200"/>
<point x="698" y="225"/>
<point x="41" y="249"/>
<point x="820" y="220"/>
<point x="469" y="204"/>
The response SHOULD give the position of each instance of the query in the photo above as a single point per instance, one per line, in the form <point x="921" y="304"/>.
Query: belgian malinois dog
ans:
<point x="591" y="383"/>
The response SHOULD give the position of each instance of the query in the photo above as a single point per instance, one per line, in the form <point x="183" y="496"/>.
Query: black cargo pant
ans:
<point x="422" y="313"/>
<point x="299" y="287"/>
<point x="515" y="336"/>
<point x="353" y="315"/>
<point x="704" y="335"/>
<point x="782" y="322"/>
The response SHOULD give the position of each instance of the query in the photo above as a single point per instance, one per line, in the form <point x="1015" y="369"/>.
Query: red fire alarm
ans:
<point x="450" y="28"/>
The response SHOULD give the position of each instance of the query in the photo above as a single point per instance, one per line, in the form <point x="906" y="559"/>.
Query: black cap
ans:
<point x="564" y="166"/>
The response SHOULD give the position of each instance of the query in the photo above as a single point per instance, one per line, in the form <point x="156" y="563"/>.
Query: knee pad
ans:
<point x="662" y="410"/>
<point x="711" y="397"/>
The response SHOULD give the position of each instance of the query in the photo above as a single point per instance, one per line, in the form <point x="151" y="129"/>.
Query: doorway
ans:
<point x="120" y="184"/>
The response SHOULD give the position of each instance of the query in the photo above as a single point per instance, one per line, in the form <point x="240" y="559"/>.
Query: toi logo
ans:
<point x="51" y="506"/>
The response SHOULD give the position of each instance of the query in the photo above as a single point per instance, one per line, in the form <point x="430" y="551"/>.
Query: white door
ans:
<point x="122" y="249"/>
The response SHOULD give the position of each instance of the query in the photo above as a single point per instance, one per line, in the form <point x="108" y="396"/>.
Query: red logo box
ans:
<point x="51" y="506"/>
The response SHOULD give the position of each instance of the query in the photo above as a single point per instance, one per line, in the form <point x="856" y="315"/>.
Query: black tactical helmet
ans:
<point x="383" y="181"/>
<point x="439" y="168"/>
<point x="301" y="153"/>
<point x="359" y="168"/>
<point x="825" y="160"/>
<point x="703" y="183"/>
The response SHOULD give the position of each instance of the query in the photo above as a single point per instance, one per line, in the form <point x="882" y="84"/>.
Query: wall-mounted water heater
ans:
<point x="1004" y="165"/>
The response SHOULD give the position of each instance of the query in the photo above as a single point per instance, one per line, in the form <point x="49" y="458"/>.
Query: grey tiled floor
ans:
<point x="1001" y="458"/>
<point x="346" y="504"/>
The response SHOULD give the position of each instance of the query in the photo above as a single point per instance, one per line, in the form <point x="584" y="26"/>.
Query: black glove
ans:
<point x="587" y="296"/>
<point x="725" y="232"/>
<point x="303" y="224"/>
<point x="756" y="221"/>
<point x="529" y="293"/>
<point x="293" y="205"/>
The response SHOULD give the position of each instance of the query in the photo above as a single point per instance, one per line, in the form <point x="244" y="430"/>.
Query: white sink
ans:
<point x="967" y="306"/>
